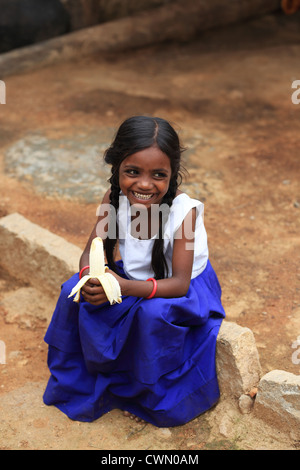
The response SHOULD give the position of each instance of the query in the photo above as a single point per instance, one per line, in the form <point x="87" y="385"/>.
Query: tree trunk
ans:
<point x="180" y="20"/>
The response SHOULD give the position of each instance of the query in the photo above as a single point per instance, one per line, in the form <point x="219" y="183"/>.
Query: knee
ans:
<point x="68" y="285"/>
<point x="149" y="313"/>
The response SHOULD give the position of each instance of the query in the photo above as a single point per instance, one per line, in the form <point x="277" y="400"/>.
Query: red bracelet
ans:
<point x="154" y="288"/>
<point x="81" y="271"/>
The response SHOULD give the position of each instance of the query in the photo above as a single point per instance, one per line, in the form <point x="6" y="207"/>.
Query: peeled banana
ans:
<point x="97" y="270"/>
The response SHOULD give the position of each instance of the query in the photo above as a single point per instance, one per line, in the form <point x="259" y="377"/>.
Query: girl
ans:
<point x="152" y="355"/>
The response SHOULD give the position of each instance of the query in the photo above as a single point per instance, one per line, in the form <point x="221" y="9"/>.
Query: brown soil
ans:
<point x="229" y="93"/>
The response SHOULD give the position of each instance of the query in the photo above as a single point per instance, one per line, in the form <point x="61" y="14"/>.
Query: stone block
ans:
<point x="237" y="360"/>
<point x="36" y="256"/>
<point x="85" y="13"/>
<point x="278" y="401"/>
<point x="27" y="308"/>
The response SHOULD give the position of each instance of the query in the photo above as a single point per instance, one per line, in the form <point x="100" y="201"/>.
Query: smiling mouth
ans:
<point x="144" y="197"/>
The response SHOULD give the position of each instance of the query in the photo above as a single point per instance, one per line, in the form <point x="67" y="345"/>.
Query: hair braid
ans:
<point x="110" y="242"/>
<point x="158" y="260"/>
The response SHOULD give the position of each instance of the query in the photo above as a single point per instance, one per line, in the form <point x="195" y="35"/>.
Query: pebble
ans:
<point x="245" y="404"/>
<point x="225" y="426"/>
<point x="164" y="433"/>
<point x="14" y="354"/>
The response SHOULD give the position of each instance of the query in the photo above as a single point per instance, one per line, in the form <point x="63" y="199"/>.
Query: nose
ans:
<point x="145" y="183"/>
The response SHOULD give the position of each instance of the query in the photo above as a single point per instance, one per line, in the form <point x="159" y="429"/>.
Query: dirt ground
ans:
<point x="229" y="95"/>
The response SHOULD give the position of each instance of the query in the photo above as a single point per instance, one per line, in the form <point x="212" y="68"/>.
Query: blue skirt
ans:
<point x="154" y="358"/>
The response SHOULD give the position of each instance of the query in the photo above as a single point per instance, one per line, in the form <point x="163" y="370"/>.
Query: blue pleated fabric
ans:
<point x="154" y="358"/>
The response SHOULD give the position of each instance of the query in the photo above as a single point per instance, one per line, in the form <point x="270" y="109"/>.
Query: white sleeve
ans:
<point x="181" y="206"/>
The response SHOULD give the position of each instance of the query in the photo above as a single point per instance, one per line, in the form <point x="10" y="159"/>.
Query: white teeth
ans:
<point x="142" y="196"/>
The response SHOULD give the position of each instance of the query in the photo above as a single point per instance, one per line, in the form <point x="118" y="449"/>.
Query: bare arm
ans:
<point x="92" y="291"/>
<point x="175" y="286"/>
<point x="182" y="265"/>
<point x="84" y="260"/>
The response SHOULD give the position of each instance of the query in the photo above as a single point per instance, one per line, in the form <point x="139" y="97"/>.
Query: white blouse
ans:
<point x="136" y="253"/>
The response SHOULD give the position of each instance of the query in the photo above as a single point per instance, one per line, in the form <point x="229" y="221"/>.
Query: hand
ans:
<point x="123" y="282"/>
<point x="93" y="292"/>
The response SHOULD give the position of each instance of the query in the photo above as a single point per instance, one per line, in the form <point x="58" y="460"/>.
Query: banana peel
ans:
<point x="109" y="283"/>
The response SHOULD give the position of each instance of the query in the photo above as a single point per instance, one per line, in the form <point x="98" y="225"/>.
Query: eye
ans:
<point x="131" y="172"/>
<point x="160" y="174"/>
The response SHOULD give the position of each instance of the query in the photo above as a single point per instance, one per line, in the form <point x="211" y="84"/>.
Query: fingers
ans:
<point x="92" y="289"/>
<point x="93" y="292"/>
<point x="93" y="282"/>
<point x="96" y="299"/>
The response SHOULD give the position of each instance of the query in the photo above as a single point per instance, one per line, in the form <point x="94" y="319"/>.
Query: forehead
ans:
<point x="150" y="158"/>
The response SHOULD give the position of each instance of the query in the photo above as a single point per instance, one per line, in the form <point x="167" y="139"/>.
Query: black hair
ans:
<point x="135" y="134"/>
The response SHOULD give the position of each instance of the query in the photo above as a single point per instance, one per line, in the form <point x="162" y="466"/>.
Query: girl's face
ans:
<point x="144" y="177"/>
